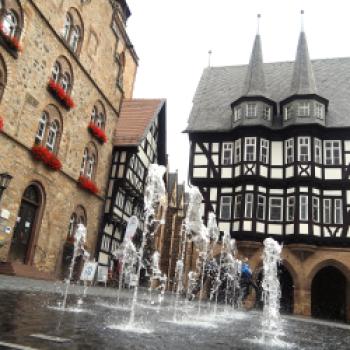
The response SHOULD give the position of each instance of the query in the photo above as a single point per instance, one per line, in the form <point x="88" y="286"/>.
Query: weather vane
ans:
<point x="209" y="57"/>
<point x="258" y="24"/>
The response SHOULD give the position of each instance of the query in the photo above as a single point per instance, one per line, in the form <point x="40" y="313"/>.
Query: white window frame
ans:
<point x="318" y="150"/>
<point x="261" y="203"/>
<point x="267" y="113"/>
<point x="225" y="204"/>
<point x="227" y="157"/>
<point x="248" y="207"/>
<point x="119" y="200"/>
<point x="251" y="110"/>
<point x="290" y="208"/>
<point x="264" y="145"/>
<point x="287" y="112"/>
<point x="327" y="210"/>
<point x="250" y="142"/>
<point x="65" y="82"/>
<point x="237" y="113"/>
<point x="105" y="244"/>
<point x="319" y="110"/>
<point x="303" y="141"/>
<point x="84" y="161"/>
<point x="280" y="206"/>
<point x="56" y="71"/>
<point x="238" y="206"/>
<point x="52" y="136"/>
<point x="304" y="207"/>
<point x="315" y="209"/>
<point x="90" y="166"/>
<point x="42" y="126"/>
<point x="331" y="146"/>
<point x="338" y="211"/>
<point x="75" y="38"/>
<point x="289" y="145"/>
<point x="304" y="109"/>
<point x="238" y="151"/>
<point x="67" y="26"/>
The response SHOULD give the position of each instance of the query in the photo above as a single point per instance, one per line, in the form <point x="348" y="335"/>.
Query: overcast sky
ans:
<point x="172" y="39"/>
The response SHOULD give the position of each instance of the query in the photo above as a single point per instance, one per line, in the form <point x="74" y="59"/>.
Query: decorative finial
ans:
<point x="209" y="57"/>
<point x="258" y="24"/>
<point x="302" y="20"/>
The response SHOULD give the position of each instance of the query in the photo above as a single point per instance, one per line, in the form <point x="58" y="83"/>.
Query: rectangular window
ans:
<point x="264" y="151"/>
<point x="315" y="209"/>
<point x="287" y="112"/>
<point x="338" y="211"/>
<point x="303" y="207"/>
<point x="289" y="149"/>
<point x="237" y="151"/>
<point x="251" y="110"/>
<point x="327" y="211"/>
<point x="261" y="207"/>
<point x="318" y="151"/>
<point x="119" y="200"/>
<point x="304" y="109"/>
<point x="319" y="111"/>
<point x="250" y="149"/>
<point x="267" y="113"/>
<point x="238" y="206"/>
<point x="227" y="151"/>
<point x="290" y="208"/>
<point x="105" y="243"/>
<point x="303" y="149"/>
<point x="237" y="114"/>
<point x="276" y="209"/>
<point x="225" y="207"/>
<point x="332" y="152"/>
<point x="248" y="213"/>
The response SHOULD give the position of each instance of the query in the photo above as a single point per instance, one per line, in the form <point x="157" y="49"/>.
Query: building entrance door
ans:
<point x="24" y="231"/>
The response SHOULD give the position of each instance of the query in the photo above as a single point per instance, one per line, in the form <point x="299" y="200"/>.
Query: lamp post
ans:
<point x="5" y="179"/>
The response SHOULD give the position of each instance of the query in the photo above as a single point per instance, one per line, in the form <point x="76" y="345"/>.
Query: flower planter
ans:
<point x="48" y="158"/>
<point x="58" y="92"/>
<point x="87" y="184"/>
<point x="12" y="42"/>
<point x="1" y="124"/>
<point x="97" y="132"/>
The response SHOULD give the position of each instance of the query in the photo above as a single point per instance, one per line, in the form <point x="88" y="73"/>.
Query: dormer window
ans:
<point x="267" y="113"/>
<point x="287" y="112"/>
<point x="319" y="111"/>
<point x="237" y="114"/>
<point x="304" y="109"/>
<point x="251" y="110"/>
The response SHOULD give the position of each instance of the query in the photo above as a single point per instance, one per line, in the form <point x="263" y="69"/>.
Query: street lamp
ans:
<point x="5" y="179"/>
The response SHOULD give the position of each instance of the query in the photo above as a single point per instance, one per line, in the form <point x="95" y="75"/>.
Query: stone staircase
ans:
<point x="22" y="270"/>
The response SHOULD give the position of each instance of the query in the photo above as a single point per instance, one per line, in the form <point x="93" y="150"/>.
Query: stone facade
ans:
<point x="105" y="49"/>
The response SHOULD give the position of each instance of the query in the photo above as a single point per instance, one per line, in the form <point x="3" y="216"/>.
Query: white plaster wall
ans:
<point x="333" y="173"/>
<point x="274" y="229"/>
<point x="199" y="172"/>
<point x="276" y="153"/>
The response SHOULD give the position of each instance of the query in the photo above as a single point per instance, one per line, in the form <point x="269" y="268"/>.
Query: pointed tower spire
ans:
<point x="255" y="79"/>
<point x="303" y="80"/>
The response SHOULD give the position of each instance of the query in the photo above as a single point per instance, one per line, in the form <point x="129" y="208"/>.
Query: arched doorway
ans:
<point x="27" y="222"/>
<point x="328" y="294"/>
<point x="287" y="289"/>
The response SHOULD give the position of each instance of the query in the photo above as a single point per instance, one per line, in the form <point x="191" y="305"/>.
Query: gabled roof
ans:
<point x="135" y="119"/>
<point x="219" y="86"/>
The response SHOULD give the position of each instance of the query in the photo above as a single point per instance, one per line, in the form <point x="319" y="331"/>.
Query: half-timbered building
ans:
<point x="270" y="152"/>
<point x="140" y="140"/>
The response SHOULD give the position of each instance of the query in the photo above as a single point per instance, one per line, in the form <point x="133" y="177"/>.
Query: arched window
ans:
<point x="67" y="26"/>
<point x="73" y="30"/>
<point x="10" y="24"/>
<point x="98" y="115"/>
<point x="49" y="129"/>
<point x="56" y="72"/>
<point x="89" y="161"/>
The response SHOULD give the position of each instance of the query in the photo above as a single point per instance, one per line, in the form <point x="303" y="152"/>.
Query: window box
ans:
<point x="1" y="124"/>
<point x="97" y="132"/>
<point x="61" y="95"/>
<point x="10" y="41"/>
<point x="87" y="184"/>
<point x="48" y="158"/>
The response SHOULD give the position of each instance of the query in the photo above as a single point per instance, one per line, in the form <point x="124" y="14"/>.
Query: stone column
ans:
<point x="302" y="302"/>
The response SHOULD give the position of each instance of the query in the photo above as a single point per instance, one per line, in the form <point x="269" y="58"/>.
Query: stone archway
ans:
<point x="328" y="294"/>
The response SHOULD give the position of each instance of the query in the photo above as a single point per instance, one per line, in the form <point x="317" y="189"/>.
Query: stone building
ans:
<point x="270" y="152"/>
<point x="65" y="66"/>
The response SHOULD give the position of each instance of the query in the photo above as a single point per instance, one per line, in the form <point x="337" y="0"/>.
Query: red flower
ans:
<point x="97" y="132"/>
<point x="58" y="91"/>
<point x="50" y="159"/>
<point x="1" y="124"/>
<point x="87" y="184"/>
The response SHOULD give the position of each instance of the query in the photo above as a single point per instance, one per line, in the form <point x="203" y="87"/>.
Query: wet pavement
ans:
<point x="30" y="318"/>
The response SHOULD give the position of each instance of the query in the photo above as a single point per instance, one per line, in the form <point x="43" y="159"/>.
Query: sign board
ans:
<point x="102" y="274"/>
<point x="131" y="228"/>
<point x="89" y="271"/>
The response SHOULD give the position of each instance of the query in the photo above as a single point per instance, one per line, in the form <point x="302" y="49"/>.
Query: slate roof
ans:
<point x="220" y="86"/>
<point x="135" y="119"/>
